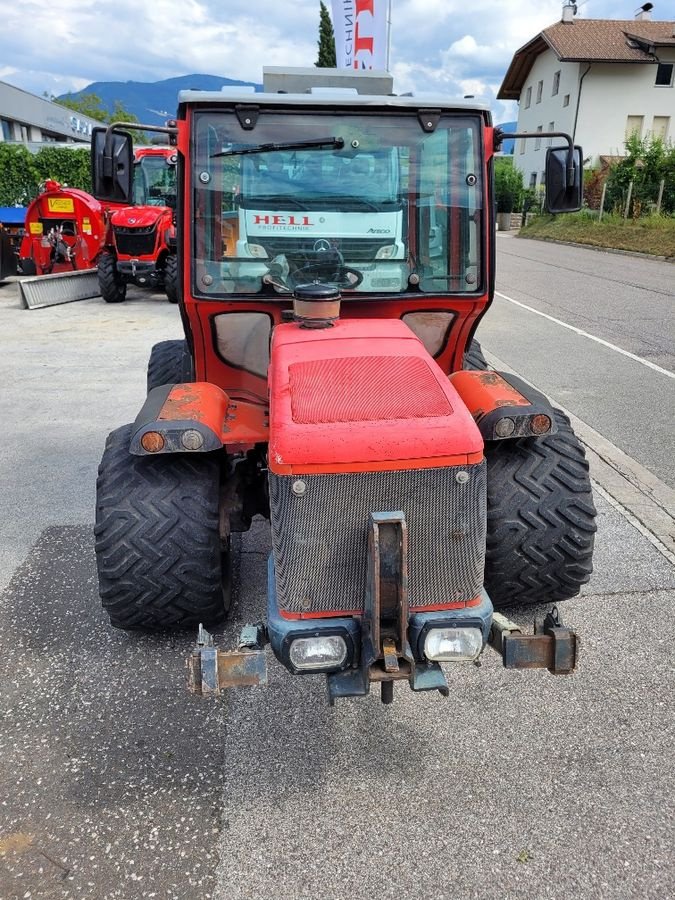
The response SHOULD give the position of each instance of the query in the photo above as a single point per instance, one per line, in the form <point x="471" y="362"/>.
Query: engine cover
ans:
<point x="363" y="395"/>
<point x="363" y="420"/>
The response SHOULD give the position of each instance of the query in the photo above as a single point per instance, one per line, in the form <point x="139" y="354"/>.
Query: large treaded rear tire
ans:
<point x="170" y="363"/>
<point x="112" y="286"/>
<point x="159" y="555"/>
<point x="171" y="278"/>
<point x="541" y="518"/>
<point x="473" y="358"/>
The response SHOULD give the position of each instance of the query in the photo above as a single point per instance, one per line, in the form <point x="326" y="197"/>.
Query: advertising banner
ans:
<point x="360" y="28"/>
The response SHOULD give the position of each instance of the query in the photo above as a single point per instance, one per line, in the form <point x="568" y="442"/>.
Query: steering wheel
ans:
<point x="329" y="266"/>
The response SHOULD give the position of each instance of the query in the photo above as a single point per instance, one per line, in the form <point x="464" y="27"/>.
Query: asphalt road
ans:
<point x="116" y="784"/>
<point x="625" y="301"/>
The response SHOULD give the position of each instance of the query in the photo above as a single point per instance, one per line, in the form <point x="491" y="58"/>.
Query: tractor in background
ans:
<point x="140" y="241"/>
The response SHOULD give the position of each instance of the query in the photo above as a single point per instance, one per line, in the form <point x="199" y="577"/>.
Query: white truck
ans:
<point x="350" y="213"/>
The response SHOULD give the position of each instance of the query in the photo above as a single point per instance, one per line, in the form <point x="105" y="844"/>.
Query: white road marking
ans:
<point x="592" y="337"/>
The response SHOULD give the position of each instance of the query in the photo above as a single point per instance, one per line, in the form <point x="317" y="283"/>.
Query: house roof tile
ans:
<point x="589" y="40"/>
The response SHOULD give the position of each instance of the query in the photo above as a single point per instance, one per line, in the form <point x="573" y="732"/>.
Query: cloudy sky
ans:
<point x="455" y="46"/>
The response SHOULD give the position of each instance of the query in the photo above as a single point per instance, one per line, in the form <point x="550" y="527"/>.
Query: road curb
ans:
<point x="638" y="253"/>
<point x="644" y="500"/>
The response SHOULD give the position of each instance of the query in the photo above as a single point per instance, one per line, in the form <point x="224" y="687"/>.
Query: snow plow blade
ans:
<point x="50" y="290"/>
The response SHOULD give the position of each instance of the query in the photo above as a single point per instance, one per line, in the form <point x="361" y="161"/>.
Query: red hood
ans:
<point x="139" y="216"/>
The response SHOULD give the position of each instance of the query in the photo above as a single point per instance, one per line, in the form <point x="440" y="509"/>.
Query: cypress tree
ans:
<point x="326" y="42"/>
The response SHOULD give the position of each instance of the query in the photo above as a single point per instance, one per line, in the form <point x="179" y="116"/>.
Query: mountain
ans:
<point x="153" y="102"/>
<point x="507" y="146"/>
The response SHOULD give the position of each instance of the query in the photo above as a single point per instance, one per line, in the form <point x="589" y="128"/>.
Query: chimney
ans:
<point x="644" y="14"/>
<point x="569" y="11"/>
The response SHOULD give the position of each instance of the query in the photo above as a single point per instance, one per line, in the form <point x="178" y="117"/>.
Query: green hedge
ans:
<point x="22" y="172"/>
<point x="509" y="189"/>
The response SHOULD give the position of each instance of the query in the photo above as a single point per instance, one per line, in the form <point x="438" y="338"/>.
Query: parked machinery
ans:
<point x="140" y="242"/>
<point x="329" y="381"/>
<point x="63" y="231"/>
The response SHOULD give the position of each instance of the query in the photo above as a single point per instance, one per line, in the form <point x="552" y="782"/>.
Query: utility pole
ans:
<point x="388" y="35"/>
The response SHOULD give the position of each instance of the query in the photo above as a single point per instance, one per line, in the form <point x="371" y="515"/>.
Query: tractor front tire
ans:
<point x="161" y="561"/>
<point x="170" y="363"/>
<point x="112" y="286"/>
<point x="171" y="278"/>
<point x="473" y="358"/>
<point x="540" y="518"/>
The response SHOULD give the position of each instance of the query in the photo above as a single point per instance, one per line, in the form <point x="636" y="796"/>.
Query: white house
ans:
<point x="596" y="79"/>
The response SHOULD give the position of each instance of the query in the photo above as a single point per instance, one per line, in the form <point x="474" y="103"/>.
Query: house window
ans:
<point x="537" y="143"/>
<point x="556" y="84"/>
<point x="522" y="146"/>
<point x="533" y="181"/>
<point x="660" y="127"/>
<point x="528" y="97"/>
<point x="540" y="88"/>
<point x="551" y="127"/>
<point x="664" y="75"/>
<point x="6" y="130"/>
<point x="634" y="125"/>
<point x="566" y="100"/>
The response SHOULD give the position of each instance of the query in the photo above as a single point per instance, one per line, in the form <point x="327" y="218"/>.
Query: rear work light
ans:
<point x="453" y="644"/>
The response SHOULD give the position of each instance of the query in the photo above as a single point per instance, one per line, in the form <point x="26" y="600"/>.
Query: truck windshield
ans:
<point x="154" y="182"/>
<point x="327" y="181"/>
<point x="394" y="209"/>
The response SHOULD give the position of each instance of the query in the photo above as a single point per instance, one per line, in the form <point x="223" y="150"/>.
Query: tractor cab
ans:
<point x="154" y="180"/>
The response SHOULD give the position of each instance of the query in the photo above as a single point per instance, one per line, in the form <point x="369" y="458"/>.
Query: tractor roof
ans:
<point x="314" y="86"/>
<point x="331" y="97"/>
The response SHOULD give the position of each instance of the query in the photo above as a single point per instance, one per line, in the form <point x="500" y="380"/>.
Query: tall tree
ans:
<point x="91" y="105"/>
<point x="86" y="104"/>
<point x="326" y="42"/>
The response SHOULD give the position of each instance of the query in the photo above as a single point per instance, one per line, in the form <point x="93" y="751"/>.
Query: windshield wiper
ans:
<point x="334" y="142"/>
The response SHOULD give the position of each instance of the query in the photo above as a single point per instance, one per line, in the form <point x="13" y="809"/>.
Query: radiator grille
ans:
<point x="320" y="539"/>
<point x="135" y="241"/>
<point x="353" y="249"/>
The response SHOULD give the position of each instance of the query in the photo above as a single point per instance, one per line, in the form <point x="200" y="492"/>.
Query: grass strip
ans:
<point x="654" y="235"/>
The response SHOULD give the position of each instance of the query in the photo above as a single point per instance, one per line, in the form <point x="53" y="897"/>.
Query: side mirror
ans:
<point x="561" y="195"/>
<point x="112" y="165"/>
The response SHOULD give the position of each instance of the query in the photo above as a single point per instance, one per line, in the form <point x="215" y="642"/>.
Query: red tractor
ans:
<point x="140" y="243"/>
<point x="329" y="381"/>
<point x="64" y="231"/>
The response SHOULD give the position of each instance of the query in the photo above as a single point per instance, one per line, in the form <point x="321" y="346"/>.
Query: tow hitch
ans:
<point x="211" y="670"/>
<point x="552" y="646"/>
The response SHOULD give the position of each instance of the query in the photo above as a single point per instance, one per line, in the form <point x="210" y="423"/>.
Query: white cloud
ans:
<point x="441" y="45"/>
